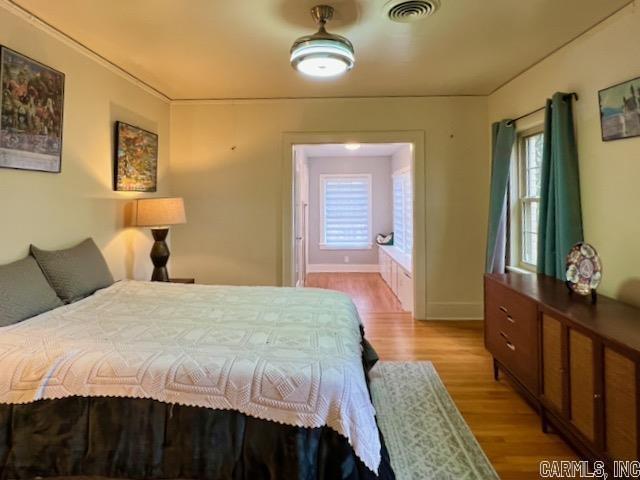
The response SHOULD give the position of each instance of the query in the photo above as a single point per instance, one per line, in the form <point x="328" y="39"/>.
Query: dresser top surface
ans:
<point x="611" y="319"/>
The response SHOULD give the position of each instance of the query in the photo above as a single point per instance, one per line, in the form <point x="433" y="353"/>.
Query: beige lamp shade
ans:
<point x="160" y="212"/>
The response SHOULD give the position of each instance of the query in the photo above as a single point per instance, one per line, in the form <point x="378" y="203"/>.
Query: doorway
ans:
<point x="323" y="173"/>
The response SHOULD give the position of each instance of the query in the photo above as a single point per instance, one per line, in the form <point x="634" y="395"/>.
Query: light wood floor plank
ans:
<point x="507" y="428"/>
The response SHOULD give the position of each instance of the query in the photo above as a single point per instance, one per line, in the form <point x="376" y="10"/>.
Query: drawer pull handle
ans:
<point x="504" y="309"/>
<point x="597" y="396"/>
<point x="510" y="318"/>
<point x="510" y="345"/>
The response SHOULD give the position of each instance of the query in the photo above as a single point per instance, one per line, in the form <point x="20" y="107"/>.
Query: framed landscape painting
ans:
<point x="30" y="113"/>
<point x="136" y="162"/>
<point x="620" y="110"/>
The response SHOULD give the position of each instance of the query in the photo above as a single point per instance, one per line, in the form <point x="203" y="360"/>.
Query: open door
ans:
<point x="301" y="204"/>
<point x="301" y="245"/>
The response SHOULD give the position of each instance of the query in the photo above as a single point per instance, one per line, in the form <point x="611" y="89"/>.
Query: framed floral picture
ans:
<point x="30" y="113"/>
<point x="136" y="162"/>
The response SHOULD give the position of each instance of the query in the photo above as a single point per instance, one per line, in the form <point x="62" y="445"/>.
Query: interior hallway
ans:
<point x="507" y="428"/>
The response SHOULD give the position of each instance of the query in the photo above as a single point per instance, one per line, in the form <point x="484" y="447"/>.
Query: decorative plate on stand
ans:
<point x="584" y="269"/>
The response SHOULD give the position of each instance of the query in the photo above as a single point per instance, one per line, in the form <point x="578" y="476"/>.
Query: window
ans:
<point x="345" y="209"/>
<point x="403" y="211"/>
<point x="530" y="145"/>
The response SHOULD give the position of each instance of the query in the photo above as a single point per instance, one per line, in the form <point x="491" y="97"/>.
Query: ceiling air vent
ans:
<point x="405" y="11"/>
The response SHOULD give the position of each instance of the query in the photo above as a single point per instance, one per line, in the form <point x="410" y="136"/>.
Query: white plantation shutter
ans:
<point x="403" y="211"/>
<point x="398" y="216"/>
<point x="346" y="211"/>
<point x="408" y="213"/>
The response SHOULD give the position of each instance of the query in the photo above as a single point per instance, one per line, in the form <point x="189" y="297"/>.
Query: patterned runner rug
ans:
<point x="425" y="433"/>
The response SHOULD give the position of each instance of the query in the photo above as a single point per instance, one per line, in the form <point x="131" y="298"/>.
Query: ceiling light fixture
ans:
<point x="322" y="54"/>
<point x="352" y="146"/>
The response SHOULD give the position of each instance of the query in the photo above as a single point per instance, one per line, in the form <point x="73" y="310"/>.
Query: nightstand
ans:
<point x="183" y="280"/>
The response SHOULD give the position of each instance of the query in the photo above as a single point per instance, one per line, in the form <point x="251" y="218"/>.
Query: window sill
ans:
<point x="511" y="268"/>
<point x="324" y="246"/>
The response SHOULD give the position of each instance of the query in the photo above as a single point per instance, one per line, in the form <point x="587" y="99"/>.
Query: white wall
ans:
<point x="58" y="210"/>
<point x="382" y="209"/>
<point x="609" y="171"/>
<point x="234" y="198"/>
<point x="401" y="159"/>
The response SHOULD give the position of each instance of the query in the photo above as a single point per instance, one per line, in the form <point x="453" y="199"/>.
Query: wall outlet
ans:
<point x="346" y="259"/>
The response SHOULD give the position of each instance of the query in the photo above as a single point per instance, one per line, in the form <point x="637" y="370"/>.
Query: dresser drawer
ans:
<point x="516" y="360"/>
<point x="576" y="361"/>
<point x="511" y="332"/>
<point x="515" y="314"/>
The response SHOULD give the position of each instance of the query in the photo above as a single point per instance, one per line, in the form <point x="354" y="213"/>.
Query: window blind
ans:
<point x="403" y="212"/>
<point x="346" y="211"/>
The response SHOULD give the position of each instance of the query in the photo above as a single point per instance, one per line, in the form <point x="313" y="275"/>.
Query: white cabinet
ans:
<point x="405" y="289"/>
<point x="394" y="271"/>
<point x="385" y="266"/>
<point x="394" y="277"/>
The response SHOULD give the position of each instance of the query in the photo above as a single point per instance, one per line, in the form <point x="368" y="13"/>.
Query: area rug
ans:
<point x="426" y="436"/>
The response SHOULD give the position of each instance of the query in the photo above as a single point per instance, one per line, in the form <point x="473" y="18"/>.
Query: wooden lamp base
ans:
<point x="160" y="255"/>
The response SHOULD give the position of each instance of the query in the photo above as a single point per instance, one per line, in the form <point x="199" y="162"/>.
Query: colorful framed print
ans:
<point x="620" y="110"/>
<point x="31" y="113"/>
<point x="136" y="162"/>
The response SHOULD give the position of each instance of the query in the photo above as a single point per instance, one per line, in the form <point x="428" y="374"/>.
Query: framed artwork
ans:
<point x="30" y="113"/>
<point x="620" y="110"/>
<point x="136" y="162"/>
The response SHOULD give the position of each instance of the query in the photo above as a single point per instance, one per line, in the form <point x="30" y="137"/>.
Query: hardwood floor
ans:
<point x="368" y="290"/>
<point x="507" y="428"/>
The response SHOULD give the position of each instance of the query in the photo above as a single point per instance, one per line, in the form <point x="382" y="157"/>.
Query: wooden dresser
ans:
<point x="577" y="363"/>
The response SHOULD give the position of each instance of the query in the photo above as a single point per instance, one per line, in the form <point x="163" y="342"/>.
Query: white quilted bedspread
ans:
<point x="281" y="354"/>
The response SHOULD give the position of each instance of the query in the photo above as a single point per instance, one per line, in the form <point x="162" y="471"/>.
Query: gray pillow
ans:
<point x="76" y="272"/>
<point x="24" y="292"/>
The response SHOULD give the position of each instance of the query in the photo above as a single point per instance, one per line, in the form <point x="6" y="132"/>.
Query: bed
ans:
<point x="157" y="380"/>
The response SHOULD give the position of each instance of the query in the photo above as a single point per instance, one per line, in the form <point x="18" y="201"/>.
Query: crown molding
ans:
<point x="58" y="34"/>
<point x="19" y="11"/>
<point x="243" y="101"/>
<point x="629" y="4"/>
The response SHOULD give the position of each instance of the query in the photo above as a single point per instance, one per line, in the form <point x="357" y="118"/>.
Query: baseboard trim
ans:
<point x="455" y="311"/>
<point x="342" y="268"/>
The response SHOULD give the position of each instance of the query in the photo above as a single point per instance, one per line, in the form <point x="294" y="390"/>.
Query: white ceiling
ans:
<point x="239" y="48"/>
<point x="340" y="150"/>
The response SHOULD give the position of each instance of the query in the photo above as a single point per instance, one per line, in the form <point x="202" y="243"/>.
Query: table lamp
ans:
<point x="159" y="214"/>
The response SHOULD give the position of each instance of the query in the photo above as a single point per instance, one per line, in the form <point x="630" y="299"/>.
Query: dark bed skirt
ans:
<point x="137" y="438"/>
<point x="146" y="439"/>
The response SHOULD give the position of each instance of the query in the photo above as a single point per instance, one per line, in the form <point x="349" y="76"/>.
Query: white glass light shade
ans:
<point x="322" y="57"/>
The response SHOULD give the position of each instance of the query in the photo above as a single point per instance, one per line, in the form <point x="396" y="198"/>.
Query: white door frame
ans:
<point x="414" y="137"/>
<point x="301" y="186"/>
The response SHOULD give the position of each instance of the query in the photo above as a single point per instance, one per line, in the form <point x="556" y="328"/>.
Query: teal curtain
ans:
<point x="560" y="222"/>
<point x="504" y="136"/>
